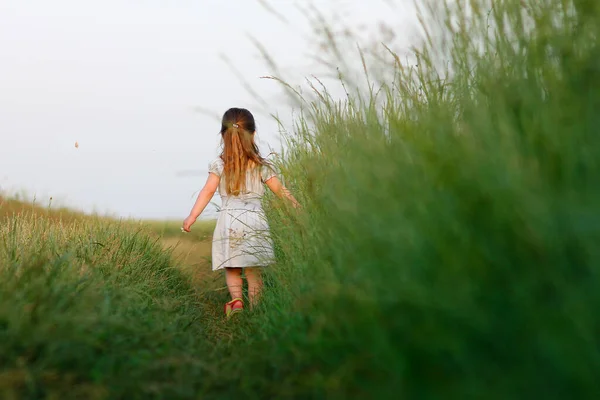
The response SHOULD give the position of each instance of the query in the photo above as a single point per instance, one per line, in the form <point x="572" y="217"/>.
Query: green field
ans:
<point x="447" y="247"/>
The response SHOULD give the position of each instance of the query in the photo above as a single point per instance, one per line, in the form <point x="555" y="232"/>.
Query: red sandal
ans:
<point x="233" y="307"/>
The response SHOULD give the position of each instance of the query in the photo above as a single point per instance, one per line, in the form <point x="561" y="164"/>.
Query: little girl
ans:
<point x="241" y="239"/>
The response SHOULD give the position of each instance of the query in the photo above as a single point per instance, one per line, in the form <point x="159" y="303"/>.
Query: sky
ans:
<point x="139" y="86"/>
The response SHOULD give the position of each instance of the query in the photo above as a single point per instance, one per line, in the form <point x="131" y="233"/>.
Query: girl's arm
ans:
<point x="207" y="192"/>
<point x="277" y="187"/>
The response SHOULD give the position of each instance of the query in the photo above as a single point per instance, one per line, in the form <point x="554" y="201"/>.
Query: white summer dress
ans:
<point x="241" y="238"/>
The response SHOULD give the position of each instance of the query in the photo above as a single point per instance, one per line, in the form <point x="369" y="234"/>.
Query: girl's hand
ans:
<point x="187" y="223"/>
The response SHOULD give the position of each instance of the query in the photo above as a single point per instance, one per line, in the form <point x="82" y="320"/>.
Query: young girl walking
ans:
<point x="241" y="239"/>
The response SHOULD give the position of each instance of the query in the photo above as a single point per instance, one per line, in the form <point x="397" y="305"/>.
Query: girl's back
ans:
<point x="253" y="187"/>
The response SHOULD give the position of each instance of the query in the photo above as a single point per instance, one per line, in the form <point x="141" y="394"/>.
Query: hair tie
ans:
<point x="235" y="125"/>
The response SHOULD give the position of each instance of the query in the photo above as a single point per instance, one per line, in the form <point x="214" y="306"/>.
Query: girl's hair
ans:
<point x="240" y="153"/>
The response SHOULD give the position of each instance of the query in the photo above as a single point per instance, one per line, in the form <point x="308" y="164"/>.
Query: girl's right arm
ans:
<point x="207" y="192"/>
<point x="281" y="191"/>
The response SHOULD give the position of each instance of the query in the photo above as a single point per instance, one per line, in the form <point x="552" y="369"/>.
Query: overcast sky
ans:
<point x="125" y="80"/>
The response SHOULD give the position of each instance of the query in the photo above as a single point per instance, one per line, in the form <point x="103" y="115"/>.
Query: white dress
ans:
<point x="241" y="238"/>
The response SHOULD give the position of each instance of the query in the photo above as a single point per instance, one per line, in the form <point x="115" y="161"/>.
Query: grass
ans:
<point x="12" y="205"/>
<point x="172" y="229"/>
<point x="95" y="308"/>
<point x="447" y="246"/>
<point x="86" y="309"/>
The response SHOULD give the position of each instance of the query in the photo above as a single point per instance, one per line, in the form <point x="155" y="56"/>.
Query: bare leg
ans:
<point x="254" y="284"/>
<point x="233" y="277"/>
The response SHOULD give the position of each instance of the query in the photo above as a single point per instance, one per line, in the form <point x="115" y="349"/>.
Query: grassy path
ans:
<point x="192" y="255"/>
<point x="93" y="307"/>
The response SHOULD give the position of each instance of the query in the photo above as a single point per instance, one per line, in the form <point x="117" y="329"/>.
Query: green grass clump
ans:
<point x="448" y="245"/>
<point x="91" y="308"/>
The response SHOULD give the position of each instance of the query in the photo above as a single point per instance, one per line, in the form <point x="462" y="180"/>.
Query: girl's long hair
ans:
<point x="240" y="152"/>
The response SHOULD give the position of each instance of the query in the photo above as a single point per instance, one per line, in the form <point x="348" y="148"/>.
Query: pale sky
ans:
<point x="124" y="79"/>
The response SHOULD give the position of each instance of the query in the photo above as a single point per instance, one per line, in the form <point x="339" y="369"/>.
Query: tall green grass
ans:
<point x="93" y="308"/>
<point x="449" y="241"/>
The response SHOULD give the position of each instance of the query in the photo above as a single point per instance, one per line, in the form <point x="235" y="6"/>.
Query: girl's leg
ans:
<point x="254" y="284"/>
<point x="233" y="277"/>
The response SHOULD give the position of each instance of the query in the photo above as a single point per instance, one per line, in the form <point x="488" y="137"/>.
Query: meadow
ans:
<point x="447" y="245"/>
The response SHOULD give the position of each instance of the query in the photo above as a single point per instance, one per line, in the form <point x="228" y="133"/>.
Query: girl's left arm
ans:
<point x="207" y="192"/>
<point x="277" y="187"/>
